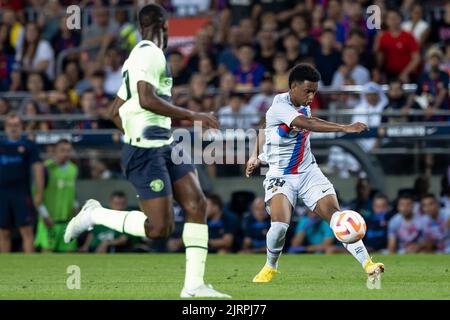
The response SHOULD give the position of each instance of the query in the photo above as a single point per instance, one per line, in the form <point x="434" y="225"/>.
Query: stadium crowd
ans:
<point x="239" y="61"/>
<point x="246" y="47"/>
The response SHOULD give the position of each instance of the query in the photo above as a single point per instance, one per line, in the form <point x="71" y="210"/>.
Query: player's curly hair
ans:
<point x="153" y="17"/>
<point x="302" y="72"/>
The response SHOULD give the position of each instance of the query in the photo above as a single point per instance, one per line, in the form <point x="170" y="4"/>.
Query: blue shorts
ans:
<point x="16" y="208"/>
<point x="152" y="171"/>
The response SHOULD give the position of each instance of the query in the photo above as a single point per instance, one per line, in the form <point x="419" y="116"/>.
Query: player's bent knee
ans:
<point x="158" y="231"/>
<point x="196" y="209"/>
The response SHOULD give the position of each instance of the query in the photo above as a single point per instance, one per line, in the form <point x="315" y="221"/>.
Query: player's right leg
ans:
<point x="281" y="199"/>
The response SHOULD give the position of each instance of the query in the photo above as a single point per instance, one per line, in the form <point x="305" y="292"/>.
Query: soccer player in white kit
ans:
<point x="293" y="171"/>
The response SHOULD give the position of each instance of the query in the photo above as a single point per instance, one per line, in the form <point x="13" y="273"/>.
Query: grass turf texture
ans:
<point x="160" y="276"/>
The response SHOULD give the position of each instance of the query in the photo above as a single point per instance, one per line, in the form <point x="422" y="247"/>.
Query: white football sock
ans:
<point x="195" y="238"/>
<point x="131" y="222"/>
<point x="357" y="249"/>
<point x="275" y="239"/>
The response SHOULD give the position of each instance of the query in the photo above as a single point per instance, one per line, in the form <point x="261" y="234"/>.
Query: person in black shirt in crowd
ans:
<point x="223" y="226"/>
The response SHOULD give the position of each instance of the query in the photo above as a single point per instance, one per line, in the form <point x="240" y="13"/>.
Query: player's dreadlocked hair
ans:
<point x="152" y="17"/>
<point x="302" y="72"/>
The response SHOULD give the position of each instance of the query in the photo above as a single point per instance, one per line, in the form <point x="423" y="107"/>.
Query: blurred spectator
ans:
<point x="363" y="201"/>
<point x="228" y="57"/>
<point x="284" y="10"/>
<point x="222" y="226"/>
<point x="377" y="224"/>
<point x="103" y="30"/>
<point x="99" y="170"/>
<point x="397" y="51"/>
<point x="207" y="71"/>
<point x="350" y="72"/>
<point x="357" y="39"/>
<point x="418" y="27"/>
<point x="299" y="26"/>
<point x="262" y="101"/>
<point x="436" y="226"/>
<point x="59" y="203"/>
<point x="247" y="31"/>
<point x="104" y="240"/>
<point x="441" y="27"/>
<point x="129" y="35"/>
<point x="113" y="71"/>
<point x="292" y="49"/>
<point x="12" y="32"/>
<point x="248" y="73"/>
<point x="398" y="101"/>
<point x="432" y="87"/>
<point x="65" y="38"/>
<point x="4" y="107"/>
<point x="372" y="102"/>
<point x="237" y="10"/>
<point x="266" y="49"/>
<point x="327" y="59"/>
<point x="19" y="157"/>
<point x="49" y="19"/>
<point x="227" y="86"/>
<point x="335" y="14"/>
<point x="256" y="224"/>
<point x="204" y="46"/>
<point x="31" y="109"/>
<point x="35" y="86"/>
<point x="89" y="108"/>
<point x="445" y="190"/>
<point x="405" y="228"/>
<point x="73" y="72"/>
<point x="341" y="163"/>
<point x="63" y="99"/>
<point x="281" y="75"/>
<point x="11" y="38"/>
<point x="237" y="115"/>
<point x="180" y="74"/>
<point x="35" y="55"/>
<point x="312" y="234"/>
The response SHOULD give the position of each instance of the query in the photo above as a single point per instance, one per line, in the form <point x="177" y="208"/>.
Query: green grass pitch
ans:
<point x="160" y="276"/>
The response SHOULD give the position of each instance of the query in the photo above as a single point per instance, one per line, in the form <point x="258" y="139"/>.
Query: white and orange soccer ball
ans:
<point x="348" y="226"/>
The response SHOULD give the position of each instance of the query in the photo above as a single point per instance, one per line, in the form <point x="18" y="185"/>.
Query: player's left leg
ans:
<point x="328" y="206"/>
<point x="188" y="193"/>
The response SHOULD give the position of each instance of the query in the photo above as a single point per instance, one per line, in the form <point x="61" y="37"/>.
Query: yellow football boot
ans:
<point x="373" y="271"/>
<point x="266" y="274"/>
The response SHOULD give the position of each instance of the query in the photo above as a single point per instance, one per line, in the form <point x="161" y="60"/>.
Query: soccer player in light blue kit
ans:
<point x="142" y="110"/>
<point x="293" y="171"/>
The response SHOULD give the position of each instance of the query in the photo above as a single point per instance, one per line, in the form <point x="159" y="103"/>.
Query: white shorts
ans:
<point x="310" y="186"/>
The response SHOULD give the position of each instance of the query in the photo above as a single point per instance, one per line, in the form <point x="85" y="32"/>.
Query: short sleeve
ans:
<point x="284" y="113"/>
<point x="34" y="153"/>
<point x="393" y="227"/>
<point x="122" y="93"/>
<point x="148" y="65"/>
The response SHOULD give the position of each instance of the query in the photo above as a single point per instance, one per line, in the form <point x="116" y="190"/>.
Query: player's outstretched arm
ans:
<point x="114" y="113"/>
<point x="318" y="125"/>
<point x="253" y="162"/>
<point x="148" y="99"/>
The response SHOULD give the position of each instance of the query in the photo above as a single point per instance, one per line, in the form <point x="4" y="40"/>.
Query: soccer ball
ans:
<point x="348" y="226"/>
